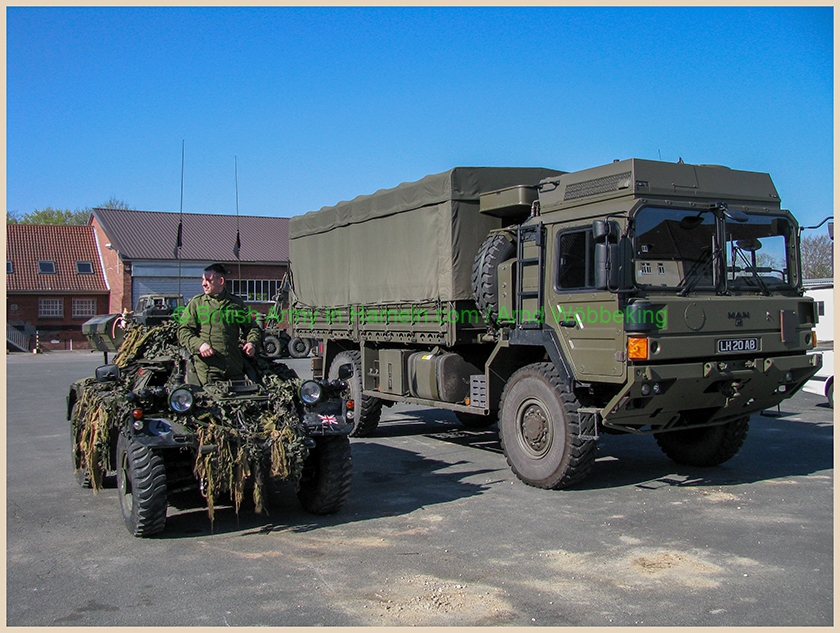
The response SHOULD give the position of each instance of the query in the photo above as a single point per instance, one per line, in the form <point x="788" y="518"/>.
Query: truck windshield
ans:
<point x="757" y="253"/>
<point x="678" y="248"/>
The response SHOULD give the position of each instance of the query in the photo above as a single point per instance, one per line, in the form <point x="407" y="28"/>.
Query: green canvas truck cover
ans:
<point x="413" y="243"/>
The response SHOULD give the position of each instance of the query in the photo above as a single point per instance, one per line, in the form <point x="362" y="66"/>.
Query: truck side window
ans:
<point x="575" y="256"/>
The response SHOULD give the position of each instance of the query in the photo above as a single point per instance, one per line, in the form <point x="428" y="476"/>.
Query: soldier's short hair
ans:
<point x="219" y="269"/>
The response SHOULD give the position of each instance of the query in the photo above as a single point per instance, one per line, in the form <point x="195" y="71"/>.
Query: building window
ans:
<point x="661" y="268"/>
<point x="50" y="308"/>
<point x="84" y="268"/>
<point x="255" y="290"/>
<point x="84" y="308"/>
<point x="46" y="267"/>
<point x="646" y="268"/>
<point x="10" y="267"/>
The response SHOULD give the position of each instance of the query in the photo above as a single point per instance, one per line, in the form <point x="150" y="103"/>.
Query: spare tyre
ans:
<point x="485" y="276"/>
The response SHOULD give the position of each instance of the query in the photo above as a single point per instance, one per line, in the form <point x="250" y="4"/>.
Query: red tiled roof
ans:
<point x="26" y="244"/>
<point x="205" y="237"/>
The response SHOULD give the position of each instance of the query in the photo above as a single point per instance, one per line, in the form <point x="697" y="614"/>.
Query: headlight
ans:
<point x="310" y="392"/>
<point x="181" y="400"/>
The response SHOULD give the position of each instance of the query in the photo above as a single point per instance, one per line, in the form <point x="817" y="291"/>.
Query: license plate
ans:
<point x="735" y="345"/>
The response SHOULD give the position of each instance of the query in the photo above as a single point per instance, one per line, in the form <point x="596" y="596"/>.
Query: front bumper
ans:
<point x="658" y="397"/>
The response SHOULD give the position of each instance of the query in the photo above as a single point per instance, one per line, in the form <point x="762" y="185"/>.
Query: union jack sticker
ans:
<point x="328" y="419"/>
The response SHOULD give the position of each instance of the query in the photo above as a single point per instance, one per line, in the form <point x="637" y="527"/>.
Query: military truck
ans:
<point x="146" y="419"/>
<point x="638" y="297"/>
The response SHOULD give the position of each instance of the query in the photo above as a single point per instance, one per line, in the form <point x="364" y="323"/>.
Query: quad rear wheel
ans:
<point x="141" y="481"/>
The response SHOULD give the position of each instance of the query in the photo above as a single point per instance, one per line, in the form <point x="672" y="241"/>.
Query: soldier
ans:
<point x="210" y="327"/>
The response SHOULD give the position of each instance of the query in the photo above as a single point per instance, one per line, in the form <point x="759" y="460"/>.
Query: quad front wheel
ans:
<point x="325" y="481"/>
<point x="539" y="428"/>
<point x="141" y="481"/>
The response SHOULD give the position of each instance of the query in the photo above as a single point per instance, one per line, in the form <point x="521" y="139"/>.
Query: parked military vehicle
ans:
<point x="639" y="297"/>
<point x="276" y="340"/>
<point x="146" y="418"/>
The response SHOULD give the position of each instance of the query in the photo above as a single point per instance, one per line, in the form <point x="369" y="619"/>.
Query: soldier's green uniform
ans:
<point x="218" y="321"/>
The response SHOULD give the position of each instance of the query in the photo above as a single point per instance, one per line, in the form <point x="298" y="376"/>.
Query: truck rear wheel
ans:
<point x="368" y="410"/>
<point x="300" y="347"/>
<point x="539" y="429"/>
<point x="704" y="446"/>
<point x="272" y="346"/>
<point x="141" y="481"/>
<point x="327" y="471"/>
<point x="485" y="276"/>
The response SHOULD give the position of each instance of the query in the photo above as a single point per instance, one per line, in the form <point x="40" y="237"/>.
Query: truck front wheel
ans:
<point x="141" y="481"/>
<point x="368" y="410"/>
<point x="325" y="481"/>
<point x="272" y="346"/>
<point x="539" y="429"/>
<point x="704" y="446"/>
<point x="300" y="347"/>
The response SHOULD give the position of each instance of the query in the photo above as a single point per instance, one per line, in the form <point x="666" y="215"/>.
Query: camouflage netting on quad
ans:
<point x="256" y="439"/>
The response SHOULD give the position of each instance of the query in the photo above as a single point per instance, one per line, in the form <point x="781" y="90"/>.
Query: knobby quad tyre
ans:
<point x="539" y="429"/>
<point x="272" y="347"/>
<point x="141" y="482"/>
<point x="475" y="420"/>
<point x="327" y="472"/>
<point x="704" y="446"/>
<point x="368" y="410"/>
<point x="485" y="276"/>
<point x="299" y="347"/>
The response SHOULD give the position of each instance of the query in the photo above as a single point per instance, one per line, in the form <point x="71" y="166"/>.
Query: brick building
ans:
<point x="139" y="254"/>
<point x="57" y="277"/>
<point x="54" y="283"/>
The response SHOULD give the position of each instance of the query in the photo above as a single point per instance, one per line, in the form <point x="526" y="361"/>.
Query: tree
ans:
<point x="817" y="257"/>
<point x="49" y="215"/>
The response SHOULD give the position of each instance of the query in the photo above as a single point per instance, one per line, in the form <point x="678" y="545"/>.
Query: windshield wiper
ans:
<point x="693" y="275"/>
<point x="748" y="266"/>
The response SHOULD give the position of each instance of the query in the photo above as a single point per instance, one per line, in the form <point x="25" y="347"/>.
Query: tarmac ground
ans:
<point x="437" y="531"/>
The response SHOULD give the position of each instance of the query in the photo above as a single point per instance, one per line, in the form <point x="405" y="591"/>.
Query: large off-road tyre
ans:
<point x="368" y="410"/>
<point x="485" y="276"/>
<point x="272" y="347"/>
<point x="141" y="482"/>
<point x="539" y="428"/>
<point x="705" y="446"/>
<point x="300" y="347"/>
<point x="475" y="420"/>
<point x="327" y="471"/>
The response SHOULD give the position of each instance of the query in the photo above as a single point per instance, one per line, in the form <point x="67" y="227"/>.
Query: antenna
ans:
<point x="237" y="244"/>
<point x="180" y="217"/>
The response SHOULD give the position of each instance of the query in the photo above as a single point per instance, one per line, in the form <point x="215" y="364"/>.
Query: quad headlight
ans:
<point x="310" y="392"/>
<point x="181" y="400"/>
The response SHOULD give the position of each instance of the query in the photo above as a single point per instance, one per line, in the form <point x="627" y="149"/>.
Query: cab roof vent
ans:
<point x="597" y="186"/>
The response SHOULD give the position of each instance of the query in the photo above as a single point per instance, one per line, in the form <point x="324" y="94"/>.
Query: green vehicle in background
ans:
<point x="639" y="297"/>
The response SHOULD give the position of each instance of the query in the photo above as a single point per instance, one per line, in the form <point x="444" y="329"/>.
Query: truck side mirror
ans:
<point x="606" y="234"/>
<point x="606" y="266"/>
<point x="107" y="373"/>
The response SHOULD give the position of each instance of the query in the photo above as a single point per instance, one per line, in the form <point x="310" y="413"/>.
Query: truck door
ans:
<point x="588" y="321"/>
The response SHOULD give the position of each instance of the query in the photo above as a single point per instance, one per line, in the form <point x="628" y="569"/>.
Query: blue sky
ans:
<point x="320" y="105"/>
